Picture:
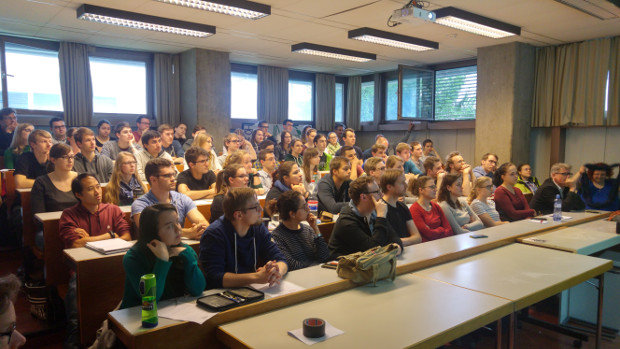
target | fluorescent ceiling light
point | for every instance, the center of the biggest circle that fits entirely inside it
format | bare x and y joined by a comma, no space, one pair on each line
333,52
391,39
239,8
473,23
141,21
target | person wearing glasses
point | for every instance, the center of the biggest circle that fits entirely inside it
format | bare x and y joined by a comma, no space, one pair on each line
527,182
394,186
560,183
143,123
8,124
428,215
161,175
59,130
233,246
301,244
509,200
10,337
52,192
362,223
87,160
197,182
124,185
597,188
480,203
232,143
264,126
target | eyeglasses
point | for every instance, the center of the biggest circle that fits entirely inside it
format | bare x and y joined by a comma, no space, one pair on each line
263,126
12,118
59,127
202,161
130,162
565,173
373,192
235,141
380,168
258,208
243,176
168,175
68,157
434,187
9,333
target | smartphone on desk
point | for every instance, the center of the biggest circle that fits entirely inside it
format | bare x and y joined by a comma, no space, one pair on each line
330,265
478,236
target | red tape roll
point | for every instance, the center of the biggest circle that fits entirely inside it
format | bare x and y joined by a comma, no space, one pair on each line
314,328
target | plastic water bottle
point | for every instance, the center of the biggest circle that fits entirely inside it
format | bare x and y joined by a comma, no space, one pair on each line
557,209
313,199
148,291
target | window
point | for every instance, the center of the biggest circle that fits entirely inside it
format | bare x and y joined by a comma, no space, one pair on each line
416,93
339,116
33,78
119,86
243,95
455,93
391,100
367,107
300,100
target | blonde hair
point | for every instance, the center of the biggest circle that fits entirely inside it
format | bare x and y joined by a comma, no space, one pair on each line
113,189
309,154
235,158
478,184
19,143
199,141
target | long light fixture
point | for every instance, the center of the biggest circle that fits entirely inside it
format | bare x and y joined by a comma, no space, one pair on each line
391,39
333,52
239,8
142,21
473,23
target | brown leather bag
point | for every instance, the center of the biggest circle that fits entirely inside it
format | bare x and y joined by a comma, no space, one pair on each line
375,264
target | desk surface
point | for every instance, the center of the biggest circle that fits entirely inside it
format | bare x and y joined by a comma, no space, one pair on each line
521,273
587,238
50,216
398,314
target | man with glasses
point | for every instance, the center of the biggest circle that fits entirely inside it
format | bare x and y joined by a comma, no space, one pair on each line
487,167
59,130
232,143
560,183
151,149
362,223
160,174
8,124
31,165
198,181
394,187
143,123
264,126
287,125
233,246
87,160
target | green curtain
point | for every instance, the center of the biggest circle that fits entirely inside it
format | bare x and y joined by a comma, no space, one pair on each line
76,87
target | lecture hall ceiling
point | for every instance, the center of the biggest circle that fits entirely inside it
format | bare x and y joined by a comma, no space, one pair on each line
326,22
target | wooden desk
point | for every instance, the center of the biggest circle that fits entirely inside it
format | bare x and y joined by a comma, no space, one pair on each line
100,284
29,229
204,206
8,182
395,315
523,274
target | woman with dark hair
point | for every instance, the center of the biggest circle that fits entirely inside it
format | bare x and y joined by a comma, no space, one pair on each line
301,244
284,147
427,215
257,138
287,177
232,176
309,139
124,185
509,200
52,192
159,251
179,132
597,189
103,134
461,217
297,148
526,182
9,335
320,143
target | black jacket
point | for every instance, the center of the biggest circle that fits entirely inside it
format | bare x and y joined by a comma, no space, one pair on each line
545,196
330,198
351,234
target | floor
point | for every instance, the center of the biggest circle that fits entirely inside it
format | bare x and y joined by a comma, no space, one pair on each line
43,335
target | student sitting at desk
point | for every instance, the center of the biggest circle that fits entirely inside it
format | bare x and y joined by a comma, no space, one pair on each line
87,160
301,244
31,165
481,205
160,173
268,167
560,183
455,207
89,220
510,202
197,182
233,176
124,186
428,215
231,247
151,149
19,145
334,186
159,251
243,158
288,178
362,224
394,186
124,141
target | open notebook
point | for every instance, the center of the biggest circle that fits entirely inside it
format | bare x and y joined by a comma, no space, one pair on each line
110,246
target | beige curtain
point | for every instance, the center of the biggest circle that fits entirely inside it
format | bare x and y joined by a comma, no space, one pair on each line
354,100
76,87
613,112
570,84
167,89
272,94
325,106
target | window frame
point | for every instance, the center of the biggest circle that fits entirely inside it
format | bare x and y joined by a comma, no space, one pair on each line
296,75
370,78
245,69
345,84
116,54
447,66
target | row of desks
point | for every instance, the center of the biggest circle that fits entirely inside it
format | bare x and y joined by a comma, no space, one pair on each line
459,252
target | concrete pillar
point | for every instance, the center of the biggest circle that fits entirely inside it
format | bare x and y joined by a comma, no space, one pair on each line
504,101
205,92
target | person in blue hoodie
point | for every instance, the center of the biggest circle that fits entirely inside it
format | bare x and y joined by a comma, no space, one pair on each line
233,246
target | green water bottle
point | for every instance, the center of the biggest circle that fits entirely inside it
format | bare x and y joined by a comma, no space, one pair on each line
148,291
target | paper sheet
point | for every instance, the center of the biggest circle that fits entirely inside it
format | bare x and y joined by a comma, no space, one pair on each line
184,309
330,331
285,287
564,218
539,221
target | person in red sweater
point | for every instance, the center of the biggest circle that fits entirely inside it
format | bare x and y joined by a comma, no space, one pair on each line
509,201
428,215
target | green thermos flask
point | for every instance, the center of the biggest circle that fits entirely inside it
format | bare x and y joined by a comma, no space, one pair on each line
148,291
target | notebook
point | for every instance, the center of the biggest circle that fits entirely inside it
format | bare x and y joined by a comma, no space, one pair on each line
110,246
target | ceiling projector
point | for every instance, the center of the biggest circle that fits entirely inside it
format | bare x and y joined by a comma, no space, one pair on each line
410,14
